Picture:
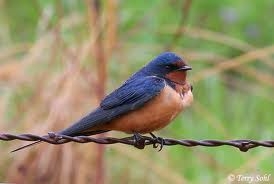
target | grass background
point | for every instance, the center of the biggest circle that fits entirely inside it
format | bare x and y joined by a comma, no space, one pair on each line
49,53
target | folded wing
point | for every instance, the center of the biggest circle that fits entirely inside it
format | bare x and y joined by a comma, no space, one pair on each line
130,96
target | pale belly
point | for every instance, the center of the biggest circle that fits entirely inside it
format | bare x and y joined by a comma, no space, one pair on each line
154,115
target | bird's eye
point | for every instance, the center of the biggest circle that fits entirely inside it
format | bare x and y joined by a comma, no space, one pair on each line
169,67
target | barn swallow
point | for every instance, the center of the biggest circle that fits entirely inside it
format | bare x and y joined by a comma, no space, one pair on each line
149,100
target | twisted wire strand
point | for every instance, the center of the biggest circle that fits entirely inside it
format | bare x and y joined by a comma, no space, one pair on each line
52,138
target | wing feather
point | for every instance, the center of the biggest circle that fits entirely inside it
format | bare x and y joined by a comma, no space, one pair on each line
130,96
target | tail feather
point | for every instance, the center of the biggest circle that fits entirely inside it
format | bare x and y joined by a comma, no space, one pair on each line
26,146
61,133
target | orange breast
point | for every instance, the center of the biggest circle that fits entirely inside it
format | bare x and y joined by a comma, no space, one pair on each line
154,115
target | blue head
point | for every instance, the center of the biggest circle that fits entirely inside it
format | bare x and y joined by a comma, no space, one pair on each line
165,64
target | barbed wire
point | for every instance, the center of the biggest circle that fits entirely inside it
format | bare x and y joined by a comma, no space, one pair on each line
139,142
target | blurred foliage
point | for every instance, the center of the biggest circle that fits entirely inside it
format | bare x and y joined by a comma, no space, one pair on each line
47,74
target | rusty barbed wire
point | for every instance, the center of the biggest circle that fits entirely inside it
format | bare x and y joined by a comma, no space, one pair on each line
52,138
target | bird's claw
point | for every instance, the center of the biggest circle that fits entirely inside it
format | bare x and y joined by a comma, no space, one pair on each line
158,141
139,141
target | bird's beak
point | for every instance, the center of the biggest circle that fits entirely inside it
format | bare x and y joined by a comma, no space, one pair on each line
184,68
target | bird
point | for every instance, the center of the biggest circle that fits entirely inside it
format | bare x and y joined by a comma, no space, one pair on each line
146,102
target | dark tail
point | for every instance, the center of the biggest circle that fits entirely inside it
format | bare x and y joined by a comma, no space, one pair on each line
79,134
26,146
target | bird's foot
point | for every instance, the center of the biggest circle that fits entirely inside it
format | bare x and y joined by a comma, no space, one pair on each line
158,141
139,141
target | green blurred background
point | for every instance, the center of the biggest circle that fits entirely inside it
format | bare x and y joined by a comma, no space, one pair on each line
52,53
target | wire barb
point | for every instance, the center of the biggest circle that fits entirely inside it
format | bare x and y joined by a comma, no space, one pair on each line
52,138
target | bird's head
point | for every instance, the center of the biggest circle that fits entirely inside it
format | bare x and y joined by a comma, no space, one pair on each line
169,65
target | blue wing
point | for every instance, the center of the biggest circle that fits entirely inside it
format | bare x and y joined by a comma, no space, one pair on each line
131,92
130,96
